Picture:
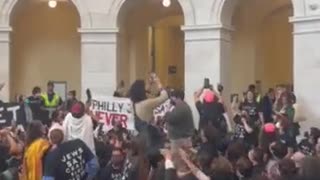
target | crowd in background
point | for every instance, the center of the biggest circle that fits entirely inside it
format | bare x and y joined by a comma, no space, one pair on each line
254,138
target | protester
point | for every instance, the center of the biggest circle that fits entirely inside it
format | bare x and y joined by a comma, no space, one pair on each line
244,130
10,159
36,148
34,102
243,168
179,120
210,110
119,168
78,125
267,106
71,99
255,116
255,155
69,160
143,115
262,146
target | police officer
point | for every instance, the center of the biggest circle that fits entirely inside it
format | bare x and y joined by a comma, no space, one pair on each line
50,101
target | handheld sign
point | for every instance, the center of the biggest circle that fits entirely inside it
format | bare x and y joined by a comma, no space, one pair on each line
110,110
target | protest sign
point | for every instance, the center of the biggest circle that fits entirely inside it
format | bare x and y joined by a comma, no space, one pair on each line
11,112
161,110
110,110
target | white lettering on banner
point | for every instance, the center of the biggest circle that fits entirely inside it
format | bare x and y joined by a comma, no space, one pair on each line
2,120
110,110
14,110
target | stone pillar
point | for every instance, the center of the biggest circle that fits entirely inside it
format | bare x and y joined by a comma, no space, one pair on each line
5,62
98,61
207,49
307,67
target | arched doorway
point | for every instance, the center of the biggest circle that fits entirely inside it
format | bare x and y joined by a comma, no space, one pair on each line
262,44
45,45
150,39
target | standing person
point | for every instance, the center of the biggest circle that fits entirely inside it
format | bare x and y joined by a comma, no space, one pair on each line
71,99
243,132
34,102
78,125
180,128
179,121
143,112
255,116
69,160
256,94
267,105
284,135
251,106
36,148
51,101
284,106
208,109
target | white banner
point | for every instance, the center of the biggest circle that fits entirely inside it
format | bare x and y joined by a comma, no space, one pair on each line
110,110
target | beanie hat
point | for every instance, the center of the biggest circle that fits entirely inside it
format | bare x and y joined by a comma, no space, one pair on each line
209,97
77,110
269,128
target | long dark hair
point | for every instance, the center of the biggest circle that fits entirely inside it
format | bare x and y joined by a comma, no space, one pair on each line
137,92
34,131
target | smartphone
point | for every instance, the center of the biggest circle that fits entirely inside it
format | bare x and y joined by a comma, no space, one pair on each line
206,84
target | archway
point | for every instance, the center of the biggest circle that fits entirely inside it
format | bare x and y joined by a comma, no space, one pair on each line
45,45
262,43
150,39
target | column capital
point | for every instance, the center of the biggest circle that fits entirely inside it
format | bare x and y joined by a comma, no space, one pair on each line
207,32
5,34
98,35
306,24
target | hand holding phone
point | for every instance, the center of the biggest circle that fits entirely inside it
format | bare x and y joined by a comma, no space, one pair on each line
206,84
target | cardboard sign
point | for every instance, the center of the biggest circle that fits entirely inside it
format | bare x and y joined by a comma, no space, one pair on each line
110,110
11,112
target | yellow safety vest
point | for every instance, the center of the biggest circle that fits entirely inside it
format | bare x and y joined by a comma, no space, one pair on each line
50,104
258,98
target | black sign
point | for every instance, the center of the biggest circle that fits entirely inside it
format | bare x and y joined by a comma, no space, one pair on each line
172,69
11,112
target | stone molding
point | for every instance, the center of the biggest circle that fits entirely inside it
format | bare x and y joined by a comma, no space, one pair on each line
207,33
7,6
306,25
187,8
5,34
98,35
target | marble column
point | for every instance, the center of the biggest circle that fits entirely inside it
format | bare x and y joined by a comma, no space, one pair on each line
207,49
5,62
98,58
307,67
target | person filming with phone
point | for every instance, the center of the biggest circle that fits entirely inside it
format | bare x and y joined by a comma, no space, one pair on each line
211,110
143,108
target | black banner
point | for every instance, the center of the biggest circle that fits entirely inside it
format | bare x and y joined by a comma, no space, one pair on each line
11,112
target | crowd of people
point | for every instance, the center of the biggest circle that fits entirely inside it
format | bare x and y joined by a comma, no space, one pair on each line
254,138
